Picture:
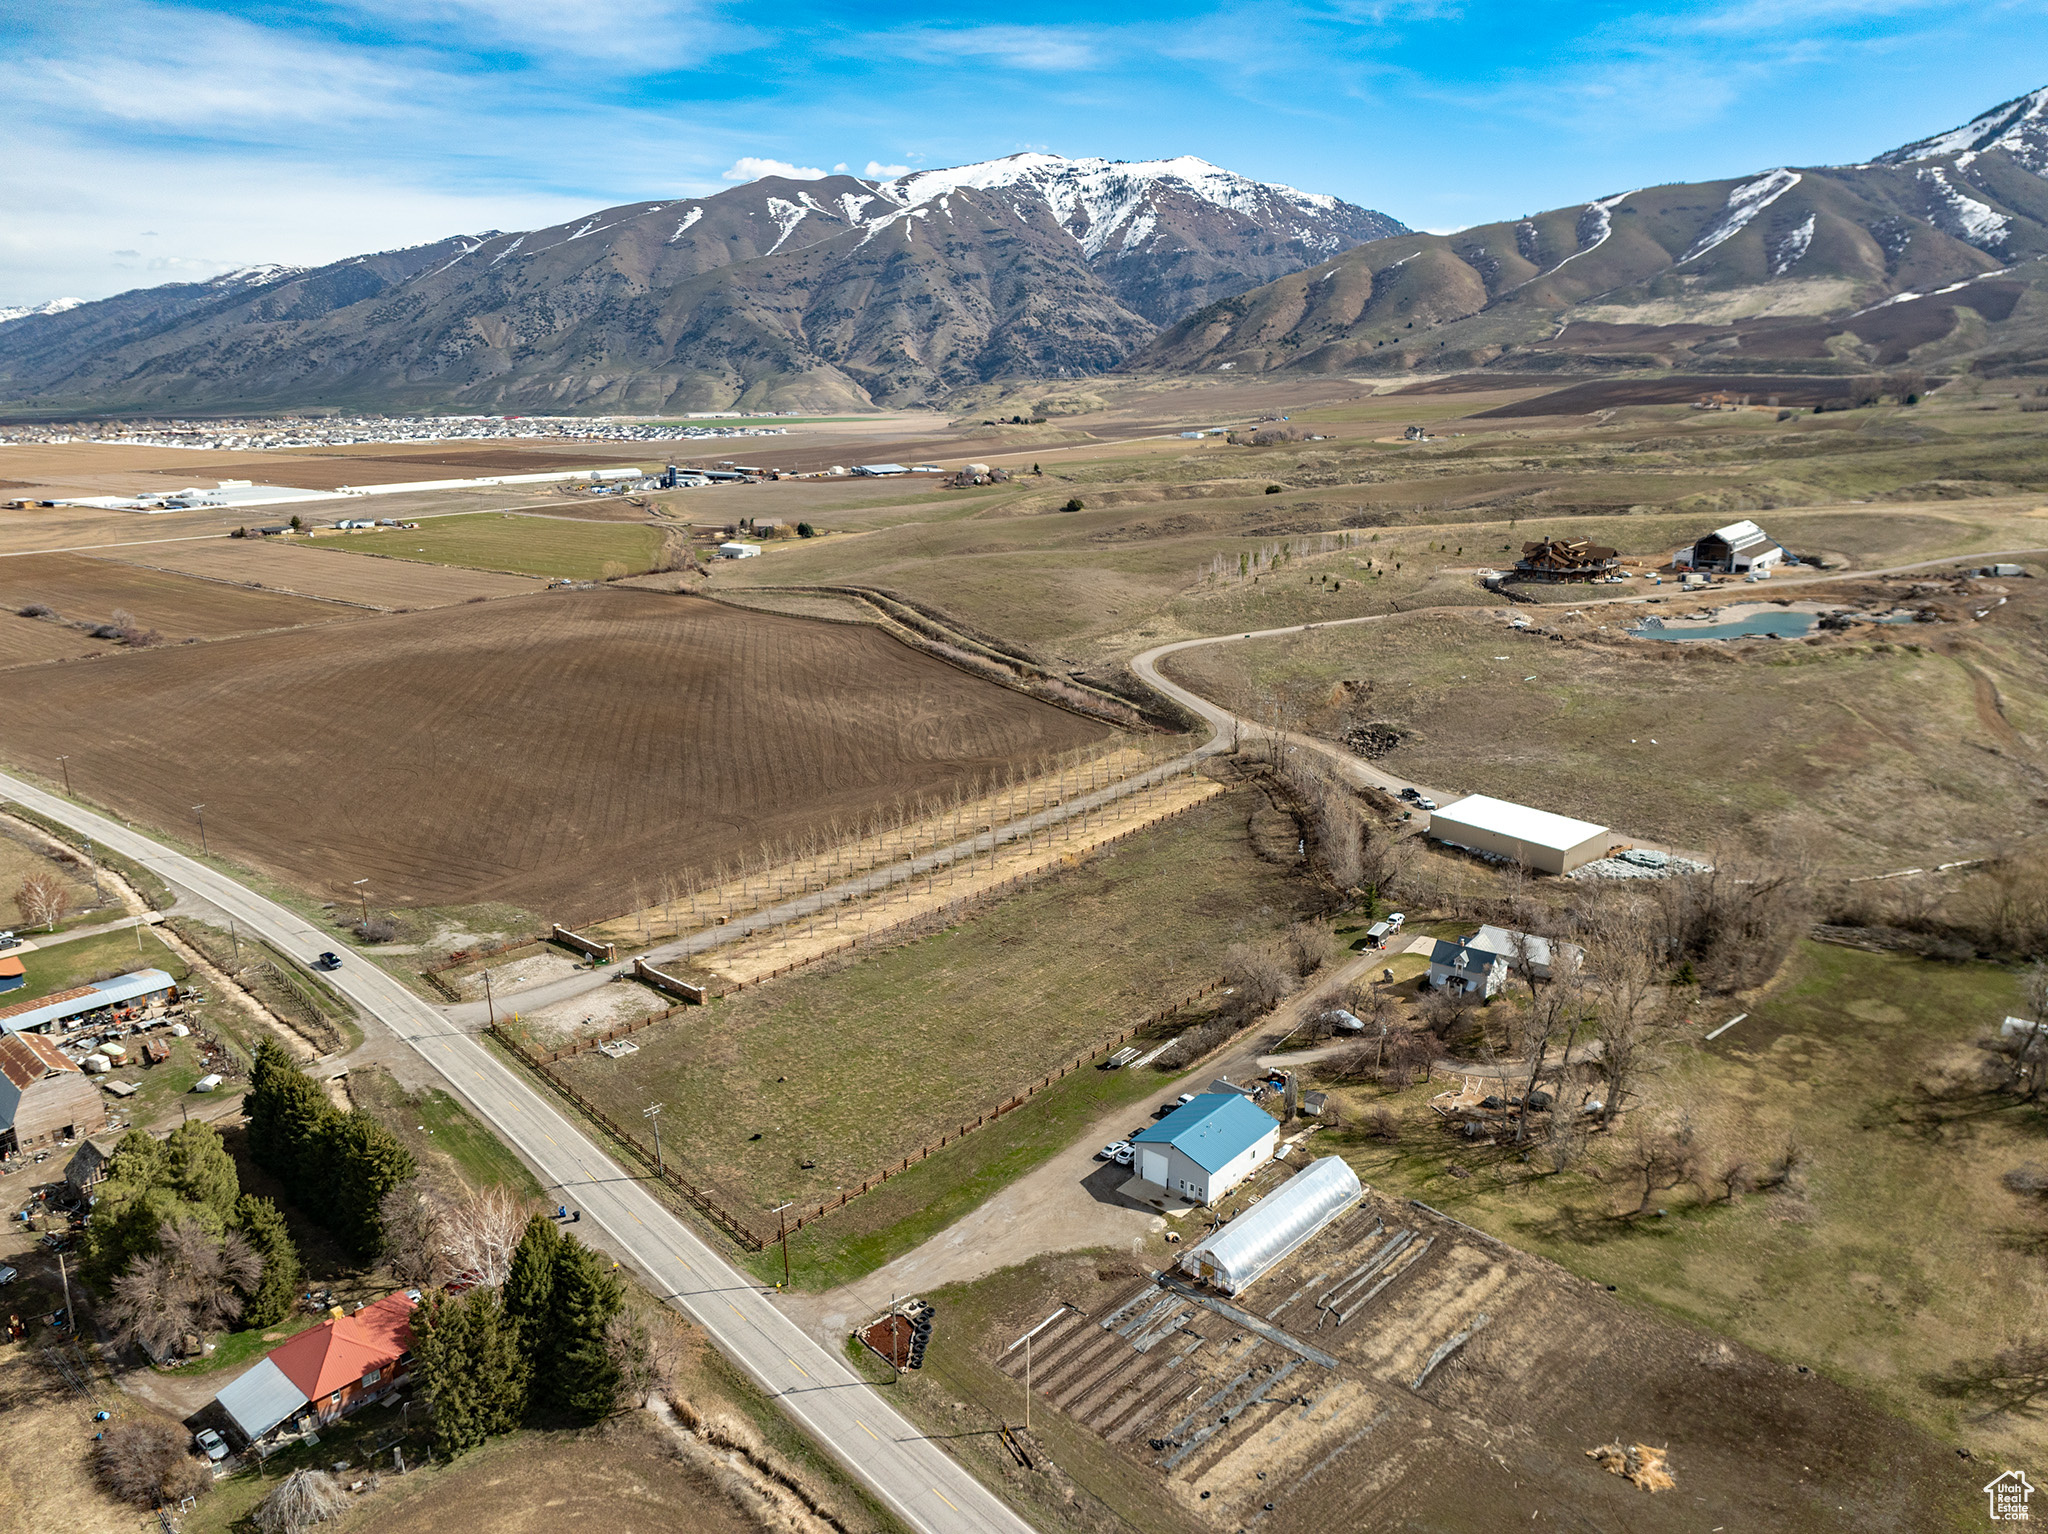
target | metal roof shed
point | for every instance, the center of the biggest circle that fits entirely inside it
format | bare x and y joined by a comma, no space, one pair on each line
263,1397
31,1016
1238,1255
1554,844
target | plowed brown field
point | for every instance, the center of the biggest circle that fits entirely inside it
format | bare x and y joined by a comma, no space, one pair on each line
552,751
176,605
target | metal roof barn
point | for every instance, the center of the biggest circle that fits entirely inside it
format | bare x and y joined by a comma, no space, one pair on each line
29,1016
1536,838
1241,1253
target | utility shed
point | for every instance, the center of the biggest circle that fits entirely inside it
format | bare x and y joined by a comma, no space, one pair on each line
146,987
1206,1147
1239,1254
1552,844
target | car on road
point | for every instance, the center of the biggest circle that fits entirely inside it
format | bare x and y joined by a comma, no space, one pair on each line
1184,1099
1411,794
1425,803
328,961
1396,920
1163,1109
211,1444
8,1275
9,940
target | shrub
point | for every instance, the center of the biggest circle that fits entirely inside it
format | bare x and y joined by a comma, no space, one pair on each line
1274,489
376,930
147,1460
805,530
38,610
1076,504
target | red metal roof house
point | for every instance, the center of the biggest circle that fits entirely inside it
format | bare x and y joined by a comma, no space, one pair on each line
326,1371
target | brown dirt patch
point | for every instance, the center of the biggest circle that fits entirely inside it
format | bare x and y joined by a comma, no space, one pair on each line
175,605
315,572
24,641
549,751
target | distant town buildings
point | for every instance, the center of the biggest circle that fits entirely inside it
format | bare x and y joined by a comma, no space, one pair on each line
272,435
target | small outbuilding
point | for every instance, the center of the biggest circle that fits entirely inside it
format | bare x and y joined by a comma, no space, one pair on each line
13,974
1206,1147
1737,549
1238,1255
1554,844
736,550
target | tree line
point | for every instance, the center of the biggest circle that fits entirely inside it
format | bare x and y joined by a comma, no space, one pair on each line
337,1167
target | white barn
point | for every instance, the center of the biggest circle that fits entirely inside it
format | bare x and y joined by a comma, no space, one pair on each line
1554,844
1206,1147
1737,549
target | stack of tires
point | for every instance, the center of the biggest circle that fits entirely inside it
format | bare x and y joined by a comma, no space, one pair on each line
920,1317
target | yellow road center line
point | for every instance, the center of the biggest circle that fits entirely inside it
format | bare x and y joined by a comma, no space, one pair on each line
798,1367
943,1498
866,1429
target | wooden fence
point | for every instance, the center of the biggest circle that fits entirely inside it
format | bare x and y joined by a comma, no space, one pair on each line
701,1199
1008,1105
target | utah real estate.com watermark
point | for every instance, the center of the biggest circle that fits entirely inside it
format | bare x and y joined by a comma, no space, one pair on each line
2008,1495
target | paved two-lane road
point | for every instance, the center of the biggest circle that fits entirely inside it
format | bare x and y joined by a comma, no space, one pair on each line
916,1479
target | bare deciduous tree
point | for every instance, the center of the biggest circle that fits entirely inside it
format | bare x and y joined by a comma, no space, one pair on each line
1259,977
42,899
415,1243
1659,1162
147,1460
480,1232
1621,968
305,1497
192,1284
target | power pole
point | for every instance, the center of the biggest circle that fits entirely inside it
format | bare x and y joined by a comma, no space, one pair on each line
65,763
652,1114
93,863
783,1220
490,1006
365,894
64,1273
1027,1384
235,937
200,811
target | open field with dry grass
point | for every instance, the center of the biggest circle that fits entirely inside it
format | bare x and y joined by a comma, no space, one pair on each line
391,584
177,606
548,750
852,1065
1878,749
27,641
1894,1262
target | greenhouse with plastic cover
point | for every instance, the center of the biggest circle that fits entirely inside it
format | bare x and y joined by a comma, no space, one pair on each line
1235,1257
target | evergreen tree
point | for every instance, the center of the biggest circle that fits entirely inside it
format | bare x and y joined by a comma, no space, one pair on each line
135,1201
582,1374
364,1161
467,1357
530,1286
290,1124
275,1296
197,1164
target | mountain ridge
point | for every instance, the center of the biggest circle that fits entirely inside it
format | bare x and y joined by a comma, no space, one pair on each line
781,293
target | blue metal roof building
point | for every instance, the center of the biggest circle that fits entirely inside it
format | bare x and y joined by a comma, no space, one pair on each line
1206,1147
45,1012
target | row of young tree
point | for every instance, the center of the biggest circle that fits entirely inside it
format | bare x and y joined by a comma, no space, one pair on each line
545,1345
177,1249
336,1167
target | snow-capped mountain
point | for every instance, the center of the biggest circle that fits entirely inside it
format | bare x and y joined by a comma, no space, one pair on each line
54,306
779,293
2019,127
1830,267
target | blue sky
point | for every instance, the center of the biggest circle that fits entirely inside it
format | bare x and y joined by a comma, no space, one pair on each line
156,142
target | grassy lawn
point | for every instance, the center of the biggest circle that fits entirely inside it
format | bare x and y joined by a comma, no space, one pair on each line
234,1349
852,1068
1898,1254
437,1128
67,965
914,1206
519,545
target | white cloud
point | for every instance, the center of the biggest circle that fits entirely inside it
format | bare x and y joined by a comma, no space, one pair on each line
752,168
877,171
1041,48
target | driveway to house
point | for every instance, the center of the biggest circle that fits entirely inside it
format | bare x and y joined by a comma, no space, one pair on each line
909,1473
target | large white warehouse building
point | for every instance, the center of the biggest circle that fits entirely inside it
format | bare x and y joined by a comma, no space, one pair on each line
1552,844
